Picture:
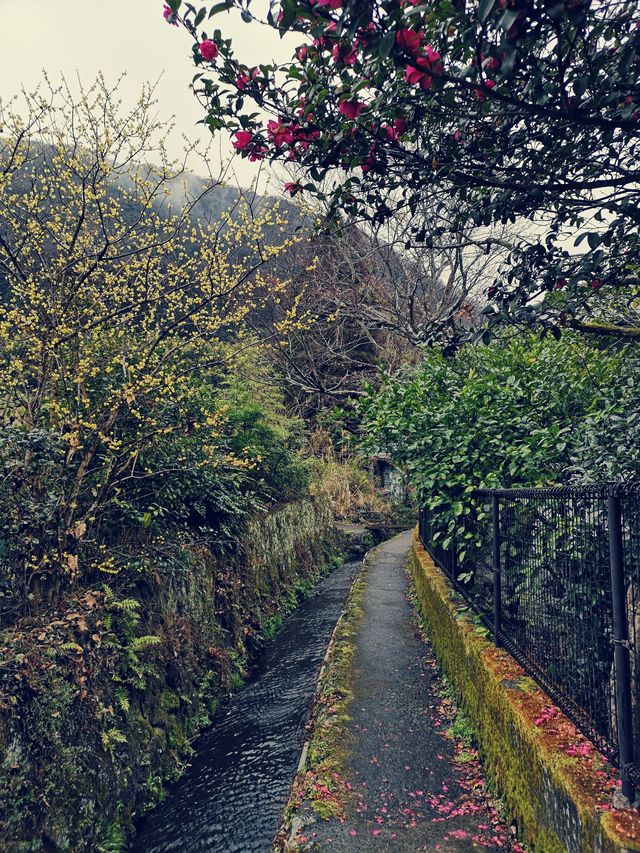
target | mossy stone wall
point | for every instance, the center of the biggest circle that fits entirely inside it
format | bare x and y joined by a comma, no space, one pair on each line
560,803
101,700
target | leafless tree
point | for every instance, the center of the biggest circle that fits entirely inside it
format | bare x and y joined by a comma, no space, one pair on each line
373,298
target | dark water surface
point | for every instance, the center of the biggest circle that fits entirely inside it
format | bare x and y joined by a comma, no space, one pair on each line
230,799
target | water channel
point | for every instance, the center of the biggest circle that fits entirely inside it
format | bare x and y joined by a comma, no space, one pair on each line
230,798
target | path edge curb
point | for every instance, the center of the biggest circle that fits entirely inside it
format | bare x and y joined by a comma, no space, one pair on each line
289,827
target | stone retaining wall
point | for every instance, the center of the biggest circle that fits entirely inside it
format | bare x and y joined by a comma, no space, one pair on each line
557,789
101,700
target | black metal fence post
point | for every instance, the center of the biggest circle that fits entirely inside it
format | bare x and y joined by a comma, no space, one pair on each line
622,662
497,584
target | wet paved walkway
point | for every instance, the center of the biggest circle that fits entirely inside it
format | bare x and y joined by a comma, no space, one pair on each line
414,789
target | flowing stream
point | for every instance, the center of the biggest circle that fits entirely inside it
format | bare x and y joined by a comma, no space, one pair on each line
230,798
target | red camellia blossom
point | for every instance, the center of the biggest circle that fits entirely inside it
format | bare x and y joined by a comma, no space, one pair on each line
431,56
279,133
257,152
208,50
400,125
346,57
170,16
370,160
328,4
424,65
242,140
409,40
394,131
416,77
293,188
596,284
488,84
242,81
350,109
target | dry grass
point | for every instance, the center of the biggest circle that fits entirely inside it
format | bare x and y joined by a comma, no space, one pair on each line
349,489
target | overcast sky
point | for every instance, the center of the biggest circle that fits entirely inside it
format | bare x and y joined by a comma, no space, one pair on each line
82,37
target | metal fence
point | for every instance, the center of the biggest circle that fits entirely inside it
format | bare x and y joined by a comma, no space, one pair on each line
555,575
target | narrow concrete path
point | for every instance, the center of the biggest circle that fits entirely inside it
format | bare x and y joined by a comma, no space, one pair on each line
414,788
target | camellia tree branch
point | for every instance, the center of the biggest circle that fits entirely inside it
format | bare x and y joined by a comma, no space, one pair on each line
505,108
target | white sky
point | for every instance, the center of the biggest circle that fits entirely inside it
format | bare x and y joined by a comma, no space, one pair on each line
82,37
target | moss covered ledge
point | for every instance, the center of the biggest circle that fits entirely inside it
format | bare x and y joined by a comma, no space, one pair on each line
101,699
557,788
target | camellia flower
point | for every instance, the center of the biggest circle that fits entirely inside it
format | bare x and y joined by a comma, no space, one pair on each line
280,133
242,81
208,50
350,109
430,55
328,4
293,188
346,57
242,139
416,77
409,40
257,152
400,125
480,94
394,131
170,16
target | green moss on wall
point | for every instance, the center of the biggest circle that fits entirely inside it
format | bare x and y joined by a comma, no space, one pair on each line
560,803
100,701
